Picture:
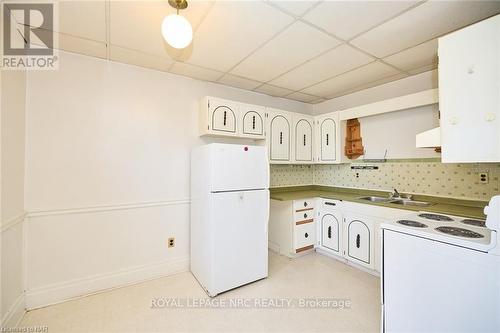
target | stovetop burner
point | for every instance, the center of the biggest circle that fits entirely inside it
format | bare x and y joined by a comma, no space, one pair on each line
454,231
476,223
410,223
435,217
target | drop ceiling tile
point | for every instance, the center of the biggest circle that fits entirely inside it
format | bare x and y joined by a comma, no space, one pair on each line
350,80
415,57
273,90
133,57
346,19
300,42
195,72
296,8
370,84
82,46
239,82
423,69
301,97
74,44
319,100
427,21
232,30
334,62
137,24
85,19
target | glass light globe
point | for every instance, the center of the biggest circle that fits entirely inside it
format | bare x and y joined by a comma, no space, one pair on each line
177,31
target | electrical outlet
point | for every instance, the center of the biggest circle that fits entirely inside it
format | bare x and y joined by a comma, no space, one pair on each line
171,242
483,177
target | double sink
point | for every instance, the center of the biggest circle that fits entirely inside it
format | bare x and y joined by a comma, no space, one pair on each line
397,201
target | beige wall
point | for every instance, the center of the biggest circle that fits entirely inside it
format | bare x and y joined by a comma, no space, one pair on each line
13,97
108,173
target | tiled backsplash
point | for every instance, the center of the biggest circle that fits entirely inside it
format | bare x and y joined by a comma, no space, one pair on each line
291,175
419,177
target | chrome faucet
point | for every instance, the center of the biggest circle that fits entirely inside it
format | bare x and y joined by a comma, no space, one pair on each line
395,194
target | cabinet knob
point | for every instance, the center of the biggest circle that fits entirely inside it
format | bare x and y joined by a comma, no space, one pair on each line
490,116
470,70
454,120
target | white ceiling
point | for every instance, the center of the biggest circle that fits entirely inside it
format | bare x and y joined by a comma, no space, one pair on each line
303,50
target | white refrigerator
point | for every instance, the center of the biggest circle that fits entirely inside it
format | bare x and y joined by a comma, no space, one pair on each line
229,215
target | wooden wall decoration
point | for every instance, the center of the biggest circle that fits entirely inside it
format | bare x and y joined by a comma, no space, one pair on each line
353,142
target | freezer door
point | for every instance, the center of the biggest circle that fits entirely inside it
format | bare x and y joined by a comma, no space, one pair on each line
239,167
239,232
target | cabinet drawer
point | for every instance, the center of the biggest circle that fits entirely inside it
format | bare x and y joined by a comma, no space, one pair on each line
303,215
303,205
304,236
328,204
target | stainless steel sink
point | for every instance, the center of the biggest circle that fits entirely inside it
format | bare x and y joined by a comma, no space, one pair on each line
411,203
376,199
405,202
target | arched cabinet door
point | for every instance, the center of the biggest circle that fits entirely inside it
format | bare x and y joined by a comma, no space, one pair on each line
279,137
359,242
223,118
330,232
328,140
303,133
252,118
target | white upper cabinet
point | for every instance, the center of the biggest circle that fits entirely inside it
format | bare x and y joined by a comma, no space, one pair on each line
252,121
469,93
279,136
219,117
328,138
303,138
290,137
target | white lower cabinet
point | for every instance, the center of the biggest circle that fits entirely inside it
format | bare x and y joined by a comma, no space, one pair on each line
304,236
344,230
330,232
359,240
292,228
329,227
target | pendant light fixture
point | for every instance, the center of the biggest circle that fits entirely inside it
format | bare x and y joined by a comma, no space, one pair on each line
176,30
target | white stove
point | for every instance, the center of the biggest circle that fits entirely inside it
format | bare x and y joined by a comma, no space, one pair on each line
441,273
461,231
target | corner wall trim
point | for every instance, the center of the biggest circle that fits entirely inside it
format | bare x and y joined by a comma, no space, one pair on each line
84,210
12,222
63,291
15,313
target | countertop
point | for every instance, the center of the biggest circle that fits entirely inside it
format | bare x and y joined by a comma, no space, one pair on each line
450,206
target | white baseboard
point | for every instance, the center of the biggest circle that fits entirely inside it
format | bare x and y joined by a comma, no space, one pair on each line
67,290
16,312
273,247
